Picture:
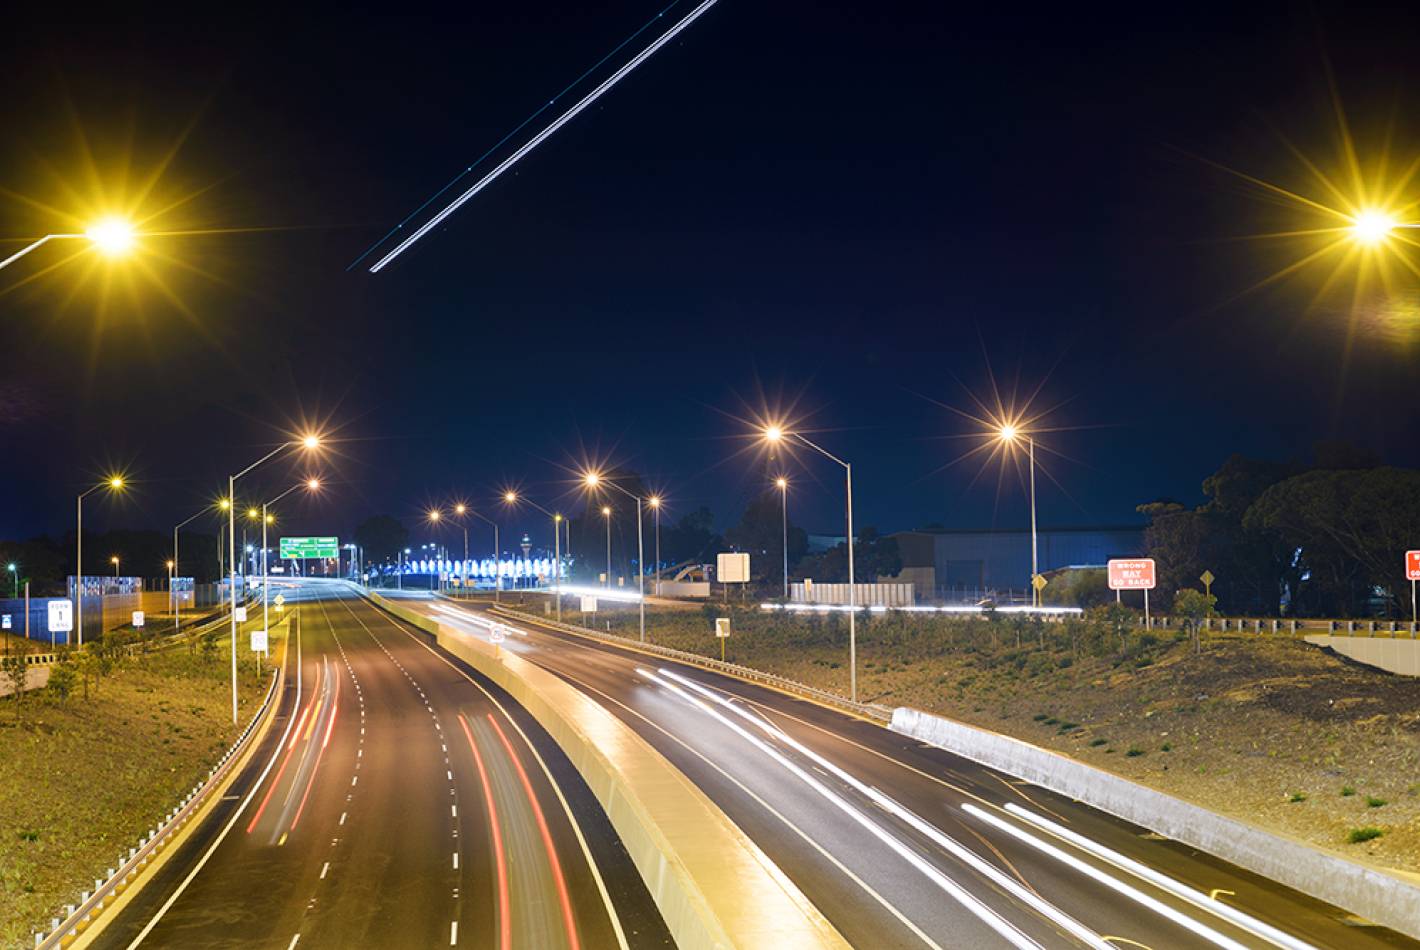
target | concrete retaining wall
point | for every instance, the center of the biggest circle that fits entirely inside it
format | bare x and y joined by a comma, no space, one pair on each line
1375,894
713,885
1390,654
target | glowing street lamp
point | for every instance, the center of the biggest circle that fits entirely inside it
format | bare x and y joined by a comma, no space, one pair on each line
111,236
782,484
1008,433
1373,227
113,483
223,504
309,442
462,509
512,498
655,502
433,516
594,481
776,434
14,570
114,561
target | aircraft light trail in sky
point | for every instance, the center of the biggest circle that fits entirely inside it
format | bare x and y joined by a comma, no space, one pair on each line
546,133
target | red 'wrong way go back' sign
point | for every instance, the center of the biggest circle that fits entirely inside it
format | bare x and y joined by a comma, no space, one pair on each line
1131,573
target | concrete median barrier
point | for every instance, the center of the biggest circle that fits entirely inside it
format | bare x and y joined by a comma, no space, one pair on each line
712,884
1378,895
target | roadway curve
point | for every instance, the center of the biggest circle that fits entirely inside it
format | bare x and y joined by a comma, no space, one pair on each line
399,801
904,845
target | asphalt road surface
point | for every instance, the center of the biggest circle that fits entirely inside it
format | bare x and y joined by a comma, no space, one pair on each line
399,801
904,845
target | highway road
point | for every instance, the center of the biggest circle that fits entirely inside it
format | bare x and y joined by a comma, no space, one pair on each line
398,801
904,845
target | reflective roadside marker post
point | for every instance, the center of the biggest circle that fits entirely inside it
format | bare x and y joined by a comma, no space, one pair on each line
722,632
1412,574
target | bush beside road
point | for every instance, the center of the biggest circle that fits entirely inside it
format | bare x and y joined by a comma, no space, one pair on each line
81,779
1268,730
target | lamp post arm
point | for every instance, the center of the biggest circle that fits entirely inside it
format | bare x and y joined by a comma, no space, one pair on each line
25,250
819,449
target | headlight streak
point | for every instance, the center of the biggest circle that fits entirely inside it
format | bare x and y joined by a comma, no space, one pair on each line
926,609
981,911
1178,889
537,140
946,843
458,616
1133,893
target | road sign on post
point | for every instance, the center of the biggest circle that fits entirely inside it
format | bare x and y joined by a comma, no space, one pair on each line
732,568
4,621
1412,574
589,604
1207,578
258,641
137,618
241,613
61,616
1039,582
1133,574
310,548
722,631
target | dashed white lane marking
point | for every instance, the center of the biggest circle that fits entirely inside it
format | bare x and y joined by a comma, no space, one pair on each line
324,869
453,811
342,818
354,779
453,933
450,774
293,941
456,860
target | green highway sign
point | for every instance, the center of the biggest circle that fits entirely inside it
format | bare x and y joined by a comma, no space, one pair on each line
310,547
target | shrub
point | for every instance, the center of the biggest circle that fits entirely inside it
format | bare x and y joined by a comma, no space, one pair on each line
1373,802
1359,835
1298,797
1098,742
1134,751
1347,791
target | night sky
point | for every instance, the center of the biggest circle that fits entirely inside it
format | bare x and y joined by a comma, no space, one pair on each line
848,210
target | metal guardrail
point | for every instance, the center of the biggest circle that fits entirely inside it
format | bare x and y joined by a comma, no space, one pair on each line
783,683
92,902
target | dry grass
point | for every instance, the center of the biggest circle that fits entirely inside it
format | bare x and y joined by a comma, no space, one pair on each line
81,781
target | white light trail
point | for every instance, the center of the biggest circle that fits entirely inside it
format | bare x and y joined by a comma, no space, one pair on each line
800,606
1195,897
941,839
538,139
1133,893
1003,927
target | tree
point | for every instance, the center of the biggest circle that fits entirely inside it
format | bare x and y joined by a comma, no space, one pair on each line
15,670
62,678
692,538
874,556
381,537
761,533
1192,607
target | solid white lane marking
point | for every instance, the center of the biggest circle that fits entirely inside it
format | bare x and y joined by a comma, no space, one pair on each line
324,869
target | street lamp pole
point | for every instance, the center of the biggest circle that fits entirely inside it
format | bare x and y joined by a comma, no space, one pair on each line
177,600
308,442
593,480
312,484
113,483
497,556
1034,549
783,485
655,502
512,497
778,434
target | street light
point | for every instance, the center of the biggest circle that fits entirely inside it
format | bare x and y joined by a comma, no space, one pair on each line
434,516
112,483
14,570
512,498
311,485
111,236
1009,433
223,504
114,561
782,484
655,502
594,481
775,434
462,509
309,442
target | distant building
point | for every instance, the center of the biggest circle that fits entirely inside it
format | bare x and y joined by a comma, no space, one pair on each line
967,562
819,543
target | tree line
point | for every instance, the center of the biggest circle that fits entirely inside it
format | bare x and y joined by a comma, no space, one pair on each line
47,561
1325,538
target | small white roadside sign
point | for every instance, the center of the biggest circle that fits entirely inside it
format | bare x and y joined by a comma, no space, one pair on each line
258,641
589,604
241,615
61,616
137,618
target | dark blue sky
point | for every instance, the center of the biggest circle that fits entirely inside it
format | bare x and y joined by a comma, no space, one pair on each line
847,207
